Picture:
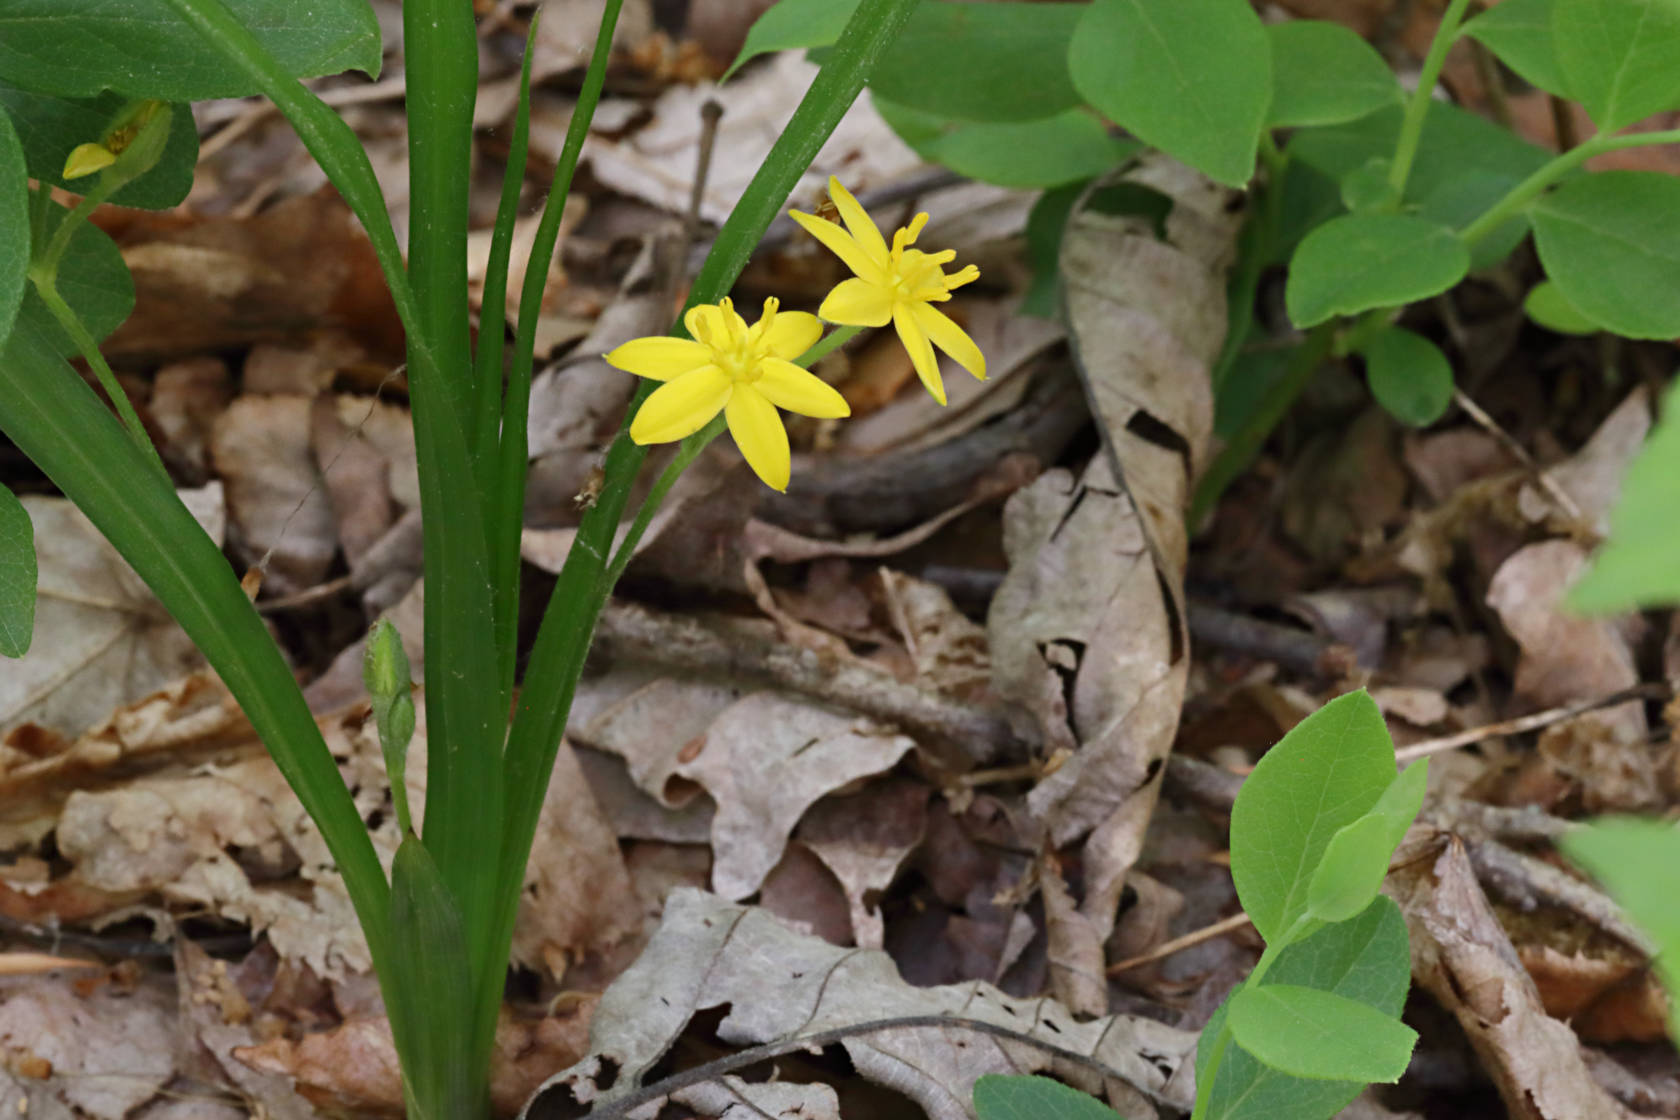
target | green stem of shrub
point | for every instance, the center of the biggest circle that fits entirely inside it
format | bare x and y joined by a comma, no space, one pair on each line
1417,109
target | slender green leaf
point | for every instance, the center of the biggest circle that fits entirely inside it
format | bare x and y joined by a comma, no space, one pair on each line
433,989
1191,77
14,225
93,280
1636,567
1363,261
1520,33
1408,375
141,48
1065,148
1547,306
50,127
1320,1035
1611,244
1356,861
1635,859
1323,73
17,576
997,1097
1045,225
1617,57
1328,771
1365,959
792,25
1001,60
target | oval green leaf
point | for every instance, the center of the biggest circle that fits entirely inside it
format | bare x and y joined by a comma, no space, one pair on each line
50,126
1361,261
1323,73
1636,567
1191,77
1520,33
1365,959
1617,57
998,1097
1320,1035
1000,61
1355,863
1027,155
14,225
144,48
793,25
1327,772
1408,375
17,576
1611,244
1546,306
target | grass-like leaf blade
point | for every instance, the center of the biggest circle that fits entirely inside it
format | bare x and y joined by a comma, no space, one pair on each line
17,576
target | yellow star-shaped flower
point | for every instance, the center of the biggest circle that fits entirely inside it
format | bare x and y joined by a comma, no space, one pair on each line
897,285
745,372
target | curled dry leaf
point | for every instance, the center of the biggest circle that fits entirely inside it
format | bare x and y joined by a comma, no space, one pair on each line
779,986
1462,956
101,638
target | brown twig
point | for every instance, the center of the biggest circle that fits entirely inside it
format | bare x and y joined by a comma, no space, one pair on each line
1534,722
1542,476
1168,948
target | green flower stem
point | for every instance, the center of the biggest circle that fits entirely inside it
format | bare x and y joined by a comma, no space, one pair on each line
1222,1042
1530,188
1236,455
1411,127
686,454
73,326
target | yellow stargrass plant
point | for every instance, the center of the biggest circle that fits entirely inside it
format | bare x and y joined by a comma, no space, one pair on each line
897,285
745,372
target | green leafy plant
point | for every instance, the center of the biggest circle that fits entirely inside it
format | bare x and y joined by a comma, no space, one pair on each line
94,100
1312,832
1370,199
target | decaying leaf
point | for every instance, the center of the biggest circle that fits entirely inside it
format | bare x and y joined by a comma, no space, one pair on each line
99,1055
779,986
102,639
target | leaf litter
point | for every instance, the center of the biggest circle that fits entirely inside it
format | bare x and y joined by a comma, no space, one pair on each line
946,733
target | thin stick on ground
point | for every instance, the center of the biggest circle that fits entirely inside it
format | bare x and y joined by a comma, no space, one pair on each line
1534,722
1168,948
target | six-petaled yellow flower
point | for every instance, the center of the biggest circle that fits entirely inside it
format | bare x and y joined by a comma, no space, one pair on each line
745,372
897,285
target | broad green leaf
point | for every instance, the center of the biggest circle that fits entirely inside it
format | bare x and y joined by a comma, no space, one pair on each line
1611,244
1355,863
1308,1033
988,62
17,576
1309,199
50,127
142,48
1191,77
1636,567
1618,57
431,984
14,225
93,280
1000,61
1365,959
997,1097
1323,73
1547,306
1461,200
1635,859
1360,261
1327,772
1065,148
1408,375
793,25
1520,33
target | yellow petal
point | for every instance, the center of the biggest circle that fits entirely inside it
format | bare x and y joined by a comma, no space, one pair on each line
949,337
705,323
787,386
659,358
792,333
857,220
840,243
921,351
682,406
858,303
759,434
85,159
